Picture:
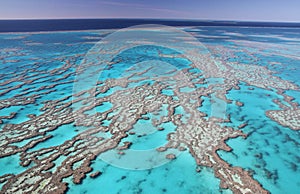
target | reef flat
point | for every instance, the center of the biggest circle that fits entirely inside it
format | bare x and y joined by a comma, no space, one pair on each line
65,142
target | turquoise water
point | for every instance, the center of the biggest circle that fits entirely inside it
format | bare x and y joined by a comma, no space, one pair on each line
177,176
60,135
271,151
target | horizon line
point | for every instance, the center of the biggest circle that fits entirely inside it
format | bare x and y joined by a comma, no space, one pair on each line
132,18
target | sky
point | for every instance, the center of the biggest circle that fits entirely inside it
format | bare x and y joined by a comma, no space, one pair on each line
240,10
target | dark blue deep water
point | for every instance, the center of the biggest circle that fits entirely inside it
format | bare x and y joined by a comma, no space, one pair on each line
91,24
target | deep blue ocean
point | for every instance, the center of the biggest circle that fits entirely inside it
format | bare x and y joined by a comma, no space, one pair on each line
92,24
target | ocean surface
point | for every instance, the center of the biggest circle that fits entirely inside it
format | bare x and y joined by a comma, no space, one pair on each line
92,24
43,147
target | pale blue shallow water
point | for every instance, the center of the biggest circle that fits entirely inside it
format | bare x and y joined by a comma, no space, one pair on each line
176,176
271,151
